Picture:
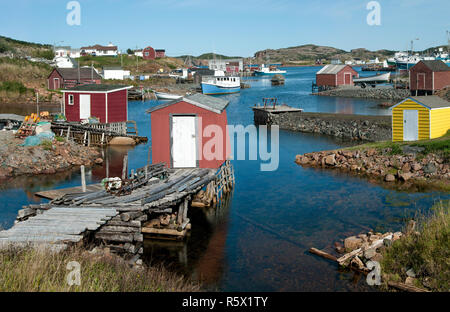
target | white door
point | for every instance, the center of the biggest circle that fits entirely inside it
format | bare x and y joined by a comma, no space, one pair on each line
410,125
85,106
184,142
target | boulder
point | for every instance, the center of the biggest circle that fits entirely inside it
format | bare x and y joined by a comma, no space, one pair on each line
122,141
429,168
352,242
330,160
389,178
411,273
406,167
370,253
405,176
410,281
416,166
99,161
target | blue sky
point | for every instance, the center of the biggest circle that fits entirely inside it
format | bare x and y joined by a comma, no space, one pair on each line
232,27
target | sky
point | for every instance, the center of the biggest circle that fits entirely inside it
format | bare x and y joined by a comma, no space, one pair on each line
231,27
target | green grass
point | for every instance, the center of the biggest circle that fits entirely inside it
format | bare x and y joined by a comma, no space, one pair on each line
31,270
14,86
427,253
47,145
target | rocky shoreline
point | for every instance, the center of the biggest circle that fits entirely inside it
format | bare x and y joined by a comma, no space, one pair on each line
368,93
344,126
430,170
16,160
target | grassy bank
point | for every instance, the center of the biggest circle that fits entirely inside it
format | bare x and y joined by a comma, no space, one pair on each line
439,146
426,252
33,270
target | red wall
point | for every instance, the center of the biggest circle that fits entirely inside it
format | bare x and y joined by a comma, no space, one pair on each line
326,80
64,84
117,106
97,106
51,85
441,80
151,53
160,54
160,126
420,68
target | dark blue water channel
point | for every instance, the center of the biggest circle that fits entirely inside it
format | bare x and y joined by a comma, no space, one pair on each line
258,239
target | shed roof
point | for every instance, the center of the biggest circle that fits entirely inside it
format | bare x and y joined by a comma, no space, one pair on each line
436,65
207,102
430,102
332,69
72,73
101,88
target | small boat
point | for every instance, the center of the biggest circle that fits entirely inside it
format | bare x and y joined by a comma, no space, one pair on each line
372,80
167,96
220,84
271,70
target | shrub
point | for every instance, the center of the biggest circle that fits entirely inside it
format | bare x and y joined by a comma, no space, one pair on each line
47,145
13,86
427,252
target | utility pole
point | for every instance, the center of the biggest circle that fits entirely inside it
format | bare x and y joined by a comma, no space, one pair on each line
92,71
37,103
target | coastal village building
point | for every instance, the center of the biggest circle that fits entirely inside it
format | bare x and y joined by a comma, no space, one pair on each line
116,73
420,118
63,78
160,53
149,53
228,65
64,62
178,132
426,77
335,75
99,50
109,103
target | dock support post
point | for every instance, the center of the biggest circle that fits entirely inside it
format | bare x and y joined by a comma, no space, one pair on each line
83,179
185,209
68,134
124,168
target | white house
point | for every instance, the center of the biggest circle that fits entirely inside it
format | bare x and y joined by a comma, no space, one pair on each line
62,51
139,53
116,73
64,62
99,50
228,65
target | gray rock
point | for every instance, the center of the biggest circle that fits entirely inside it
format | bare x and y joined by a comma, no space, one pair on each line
411,273
429,168
387,242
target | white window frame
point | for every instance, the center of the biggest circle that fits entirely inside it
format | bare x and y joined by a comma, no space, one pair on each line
71,99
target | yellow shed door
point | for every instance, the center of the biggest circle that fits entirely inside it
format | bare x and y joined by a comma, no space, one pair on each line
410,125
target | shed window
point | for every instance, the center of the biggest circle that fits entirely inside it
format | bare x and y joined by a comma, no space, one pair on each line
70,99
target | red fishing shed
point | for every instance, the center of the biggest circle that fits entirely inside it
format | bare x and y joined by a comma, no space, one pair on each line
335,75
182,130
149,53
427,77
109,103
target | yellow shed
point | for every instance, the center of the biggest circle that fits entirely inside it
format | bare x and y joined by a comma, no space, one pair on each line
420,118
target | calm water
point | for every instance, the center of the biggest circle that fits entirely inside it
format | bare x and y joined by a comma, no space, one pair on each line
258,239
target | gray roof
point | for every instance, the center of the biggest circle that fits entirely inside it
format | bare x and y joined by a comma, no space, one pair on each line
331,69
436,66
97,88
11,117
431,101
210,103
72,73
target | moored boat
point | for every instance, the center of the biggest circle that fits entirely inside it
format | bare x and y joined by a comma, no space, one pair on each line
167,96
271,70
220,84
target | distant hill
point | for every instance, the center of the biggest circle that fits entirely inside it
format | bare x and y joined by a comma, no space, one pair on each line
311,52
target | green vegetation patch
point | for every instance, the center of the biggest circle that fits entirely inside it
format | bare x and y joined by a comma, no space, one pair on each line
31,270
14,86
427,252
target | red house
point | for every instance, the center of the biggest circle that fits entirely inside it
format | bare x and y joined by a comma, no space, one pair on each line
426,77
190,132
64,78
149,53
109,103
160,53
335,75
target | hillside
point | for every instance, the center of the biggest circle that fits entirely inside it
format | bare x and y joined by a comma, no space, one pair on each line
22,48
310,53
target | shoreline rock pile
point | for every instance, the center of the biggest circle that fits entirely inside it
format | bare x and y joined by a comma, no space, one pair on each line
380,164
368,93
16,160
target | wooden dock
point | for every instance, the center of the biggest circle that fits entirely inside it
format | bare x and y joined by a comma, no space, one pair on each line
153,200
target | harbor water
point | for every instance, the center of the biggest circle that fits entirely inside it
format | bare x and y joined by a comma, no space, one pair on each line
258,239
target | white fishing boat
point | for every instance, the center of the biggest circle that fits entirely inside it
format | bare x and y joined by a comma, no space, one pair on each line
372,80
220,84
271,70
167,96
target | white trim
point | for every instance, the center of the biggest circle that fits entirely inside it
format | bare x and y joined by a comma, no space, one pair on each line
127,105
85,91
408,98
432,81
106,107
73,99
